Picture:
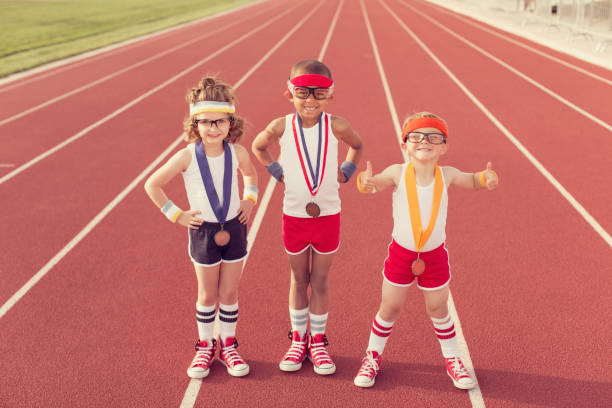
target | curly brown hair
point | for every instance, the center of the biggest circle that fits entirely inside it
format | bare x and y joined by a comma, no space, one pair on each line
211,88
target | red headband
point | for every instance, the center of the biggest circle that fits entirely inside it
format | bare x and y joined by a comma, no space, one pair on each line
315,80
425,122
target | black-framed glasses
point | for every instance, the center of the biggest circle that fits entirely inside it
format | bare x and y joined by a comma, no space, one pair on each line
433,137
222,123
303,92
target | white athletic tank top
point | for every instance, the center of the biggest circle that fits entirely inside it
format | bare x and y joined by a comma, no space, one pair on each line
297,194
194,185
402,227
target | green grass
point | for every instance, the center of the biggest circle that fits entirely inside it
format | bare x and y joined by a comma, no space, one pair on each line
34,32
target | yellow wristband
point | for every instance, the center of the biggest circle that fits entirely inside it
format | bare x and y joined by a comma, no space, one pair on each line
176,215
483,180
250,197
360,186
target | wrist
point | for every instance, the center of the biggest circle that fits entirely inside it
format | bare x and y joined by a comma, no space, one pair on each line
360,186
171,211
275,170
348,168
250,193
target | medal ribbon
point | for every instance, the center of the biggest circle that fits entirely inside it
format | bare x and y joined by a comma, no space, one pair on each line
211,192
315,177
420,237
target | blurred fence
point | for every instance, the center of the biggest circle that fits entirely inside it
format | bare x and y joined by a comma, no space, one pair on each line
586,18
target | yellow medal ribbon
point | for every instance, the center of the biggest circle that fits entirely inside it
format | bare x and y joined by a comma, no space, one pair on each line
420,237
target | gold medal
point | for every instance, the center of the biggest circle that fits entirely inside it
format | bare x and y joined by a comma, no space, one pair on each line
222,237
313,209
420,236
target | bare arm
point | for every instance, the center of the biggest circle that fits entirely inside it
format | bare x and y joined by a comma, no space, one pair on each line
270,135
156,181
389,177
249,178
344,132
474,181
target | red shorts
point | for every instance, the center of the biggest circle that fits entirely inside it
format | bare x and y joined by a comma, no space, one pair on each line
323,233
398,267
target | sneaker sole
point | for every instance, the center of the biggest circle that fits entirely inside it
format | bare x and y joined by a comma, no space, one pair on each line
364,384
322,371
198,374
236,373
289,368
461,386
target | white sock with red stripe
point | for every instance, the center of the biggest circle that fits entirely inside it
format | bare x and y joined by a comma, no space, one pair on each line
381,329
318,323
206,321
299,320
445,331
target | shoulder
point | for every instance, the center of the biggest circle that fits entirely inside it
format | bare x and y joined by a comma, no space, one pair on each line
277,126
240,150
449,174
340,125
182,158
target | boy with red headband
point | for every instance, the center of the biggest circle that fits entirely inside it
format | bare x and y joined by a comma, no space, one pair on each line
308,167
417,250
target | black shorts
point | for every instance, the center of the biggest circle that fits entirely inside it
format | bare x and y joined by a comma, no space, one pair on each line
203,250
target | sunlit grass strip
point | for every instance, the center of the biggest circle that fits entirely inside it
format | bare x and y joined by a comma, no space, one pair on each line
39,31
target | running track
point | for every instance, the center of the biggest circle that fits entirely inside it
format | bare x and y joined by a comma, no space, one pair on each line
97,292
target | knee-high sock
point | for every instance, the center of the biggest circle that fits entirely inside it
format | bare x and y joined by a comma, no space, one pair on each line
205,316
228,318
446,336
381,330
299,320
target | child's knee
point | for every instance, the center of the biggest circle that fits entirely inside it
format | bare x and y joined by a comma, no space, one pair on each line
390,309
437,311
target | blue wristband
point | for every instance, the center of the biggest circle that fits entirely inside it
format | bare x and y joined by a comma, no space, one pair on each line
275,170
348,168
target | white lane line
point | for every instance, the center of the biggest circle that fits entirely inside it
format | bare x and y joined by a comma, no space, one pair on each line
515,71
193,388
564,193
124,70
527,47
127,106
475,394
100,53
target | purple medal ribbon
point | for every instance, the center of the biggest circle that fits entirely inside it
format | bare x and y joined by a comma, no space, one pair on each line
211,192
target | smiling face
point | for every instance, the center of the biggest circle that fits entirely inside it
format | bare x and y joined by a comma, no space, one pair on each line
310,108
424,151
212,126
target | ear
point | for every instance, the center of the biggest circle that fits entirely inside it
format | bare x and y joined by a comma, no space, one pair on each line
288,95
445,148
331,97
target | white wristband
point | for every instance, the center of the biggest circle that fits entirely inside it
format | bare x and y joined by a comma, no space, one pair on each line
250,192
171,211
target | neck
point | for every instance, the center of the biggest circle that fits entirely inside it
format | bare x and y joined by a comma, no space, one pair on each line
213,149
309,122
424,171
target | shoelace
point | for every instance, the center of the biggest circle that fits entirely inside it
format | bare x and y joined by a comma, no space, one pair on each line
203,356
369,367
458,368
319,353
231,356
296,351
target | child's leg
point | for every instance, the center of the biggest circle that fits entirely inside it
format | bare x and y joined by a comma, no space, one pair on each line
208,283
319,296
436,302
229,281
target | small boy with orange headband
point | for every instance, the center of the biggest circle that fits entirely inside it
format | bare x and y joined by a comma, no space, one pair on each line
417,251
308,168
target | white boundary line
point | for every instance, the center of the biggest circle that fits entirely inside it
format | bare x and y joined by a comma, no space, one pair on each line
522,45
574,203
474,394
515,71
135,101
125,69
111,49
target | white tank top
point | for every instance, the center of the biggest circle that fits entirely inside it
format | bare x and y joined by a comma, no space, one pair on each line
402,227
297,194
194,185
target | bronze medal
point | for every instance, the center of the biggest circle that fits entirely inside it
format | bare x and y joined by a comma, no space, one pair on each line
313,209
418,266
222,238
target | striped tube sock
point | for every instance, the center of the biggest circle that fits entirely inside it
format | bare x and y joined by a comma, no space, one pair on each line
381,330
318,323
206,321
228,318
446,336
299,320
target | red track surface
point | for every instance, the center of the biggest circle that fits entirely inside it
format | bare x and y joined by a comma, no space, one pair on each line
112,323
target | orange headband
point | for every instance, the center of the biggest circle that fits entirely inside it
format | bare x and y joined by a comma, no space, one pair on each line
426,122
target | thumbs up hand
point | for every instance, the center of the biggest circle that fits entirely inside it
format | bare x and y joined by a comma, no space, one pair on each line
365,180
490,177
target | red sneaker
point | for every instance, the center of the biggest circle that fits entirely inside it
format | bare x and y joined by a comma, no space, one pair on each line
319,357
369,368
292,361
229,357
200,366
459,374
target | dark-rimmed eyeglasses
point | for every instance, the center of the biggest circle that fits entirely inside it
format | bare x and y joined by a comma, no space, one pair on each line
222,123
433,138
303,92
